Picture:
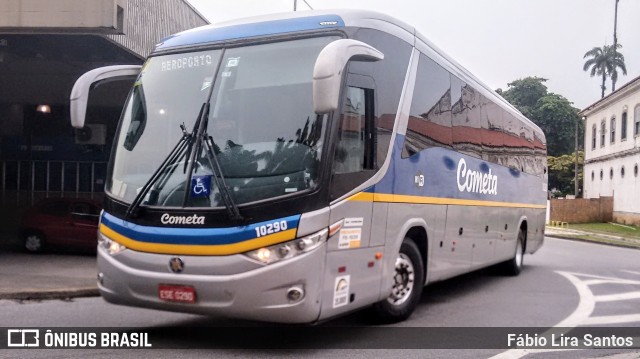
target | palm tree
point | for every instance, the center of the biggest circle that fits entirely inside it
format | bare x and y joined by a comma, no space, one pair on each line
616,62
597,64
604,61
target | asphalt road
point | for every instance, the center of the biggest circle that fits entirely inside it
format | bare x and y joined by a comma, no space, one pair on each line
565,284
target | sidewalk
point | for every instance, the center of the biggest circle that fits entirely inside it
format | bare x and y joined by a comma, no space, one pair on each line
594,237
46,276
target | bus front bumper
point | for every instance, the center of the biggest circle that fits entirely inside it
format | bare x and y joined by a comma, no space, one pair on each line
260,293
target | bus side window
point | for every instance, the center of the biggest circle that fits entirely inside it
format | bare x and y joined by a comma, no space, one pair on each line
355,157
430,114
353,151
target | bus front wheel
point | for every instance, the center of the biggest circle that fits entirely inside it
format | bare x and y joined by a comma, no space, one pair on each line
408,280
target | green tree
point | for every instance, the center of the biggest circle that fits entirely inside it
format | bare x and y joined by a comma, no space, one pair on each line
557,118
605,61
562,173
553,113
525,93
617,62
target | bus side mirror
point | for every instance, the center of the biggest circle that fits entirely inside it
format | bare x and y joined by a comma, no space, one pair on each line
329,67
80,92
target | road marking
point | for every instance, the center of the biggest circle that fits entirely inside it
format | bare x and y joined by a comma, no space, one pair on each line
582,314
606,280
519,353
612,319
585,306
617,297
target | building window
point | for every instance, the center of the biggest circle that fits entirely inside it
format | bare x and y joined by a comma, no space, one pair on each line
593,175
613,130
611,173
594,135
636,120
622,172
623,126
601,175
603,132
635,170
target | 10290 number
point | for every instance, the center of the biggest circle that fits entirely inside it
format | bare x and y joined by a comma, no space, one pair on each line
271,228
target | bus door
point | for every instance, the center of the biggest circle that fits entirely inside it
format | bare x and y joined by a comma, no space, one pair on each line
353,273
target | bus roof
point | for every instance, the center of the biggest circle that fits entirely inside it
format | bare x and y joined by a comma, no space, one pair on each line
275,24
289,22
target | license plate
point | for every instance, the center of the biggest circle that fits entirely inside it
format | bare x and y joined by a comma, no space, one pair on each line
177,293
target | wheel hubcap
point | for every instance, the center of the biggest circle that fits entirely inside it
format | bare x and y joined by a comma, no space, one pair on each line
33,243
403,280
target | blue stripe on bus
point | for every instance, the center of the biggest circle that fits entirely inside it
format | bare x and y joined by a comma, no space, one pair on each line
211,33
190,236
439,167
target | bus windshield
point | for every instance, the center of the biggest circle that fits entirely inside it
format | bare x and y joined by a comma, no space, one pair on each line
261,125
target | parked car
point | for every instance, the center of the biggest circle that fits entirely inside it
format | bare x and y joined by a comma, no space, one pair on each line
70,223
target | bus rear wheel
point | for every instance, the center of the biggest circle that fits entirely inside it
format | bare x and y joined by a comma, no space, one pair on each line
408,279
513,267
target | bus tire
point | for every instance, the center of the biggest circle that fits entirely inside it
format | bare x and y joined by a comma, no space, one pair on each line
513,267
407,285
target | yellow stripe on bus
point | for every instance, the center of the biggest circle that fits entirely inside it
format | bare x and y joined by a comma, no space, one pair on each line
198,249
397,198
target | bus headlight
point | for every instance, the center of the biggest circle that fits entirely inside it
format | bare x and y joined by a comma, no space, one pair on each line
290,249
110,245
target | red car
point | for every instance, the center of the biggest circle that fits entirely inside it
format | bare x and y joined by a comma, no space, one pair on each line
70,223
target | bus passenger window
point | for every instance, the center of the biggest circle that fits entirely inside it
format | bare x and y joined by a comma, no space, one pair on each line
430,114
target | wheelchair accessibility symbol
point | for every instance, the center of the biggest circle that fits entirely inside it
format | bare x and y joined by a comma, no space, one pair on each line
200,186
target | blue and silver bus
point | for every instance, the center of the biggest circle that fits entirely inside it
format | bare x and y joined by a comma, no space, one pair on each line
296,167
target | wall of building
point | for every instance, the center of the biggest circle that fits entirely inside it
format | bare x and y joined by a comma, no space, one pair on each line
161,18
41,58
582,210
612,169
620,180
627,218
64,15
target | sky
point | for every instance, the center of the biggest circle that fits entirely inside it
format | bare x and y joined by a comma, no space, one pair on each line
498,40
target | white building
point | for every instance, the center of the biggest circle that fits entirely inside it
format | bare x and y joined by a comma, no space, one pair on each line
612,151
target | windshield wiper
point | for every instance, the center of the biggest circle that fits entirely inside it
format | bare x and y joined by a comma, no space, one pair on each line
179,151
203,139
182,149
232,207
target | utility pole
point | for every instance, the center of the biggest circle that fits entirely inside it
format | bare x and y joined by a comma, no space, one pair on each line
615,44
575,191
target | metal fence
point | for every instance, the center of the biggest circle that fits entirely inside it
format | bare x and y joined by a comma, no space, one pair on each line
25,182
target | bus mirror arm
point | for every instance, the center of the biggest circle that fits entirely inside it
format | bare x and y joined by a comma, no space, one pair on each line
329,68
80,92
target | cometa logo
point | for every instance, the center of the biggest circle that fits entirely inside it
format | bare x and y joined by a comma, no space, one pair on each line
476,181
169,219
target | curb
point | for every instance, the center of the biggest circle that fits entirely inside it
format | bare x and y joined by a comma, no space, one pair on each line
52,294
